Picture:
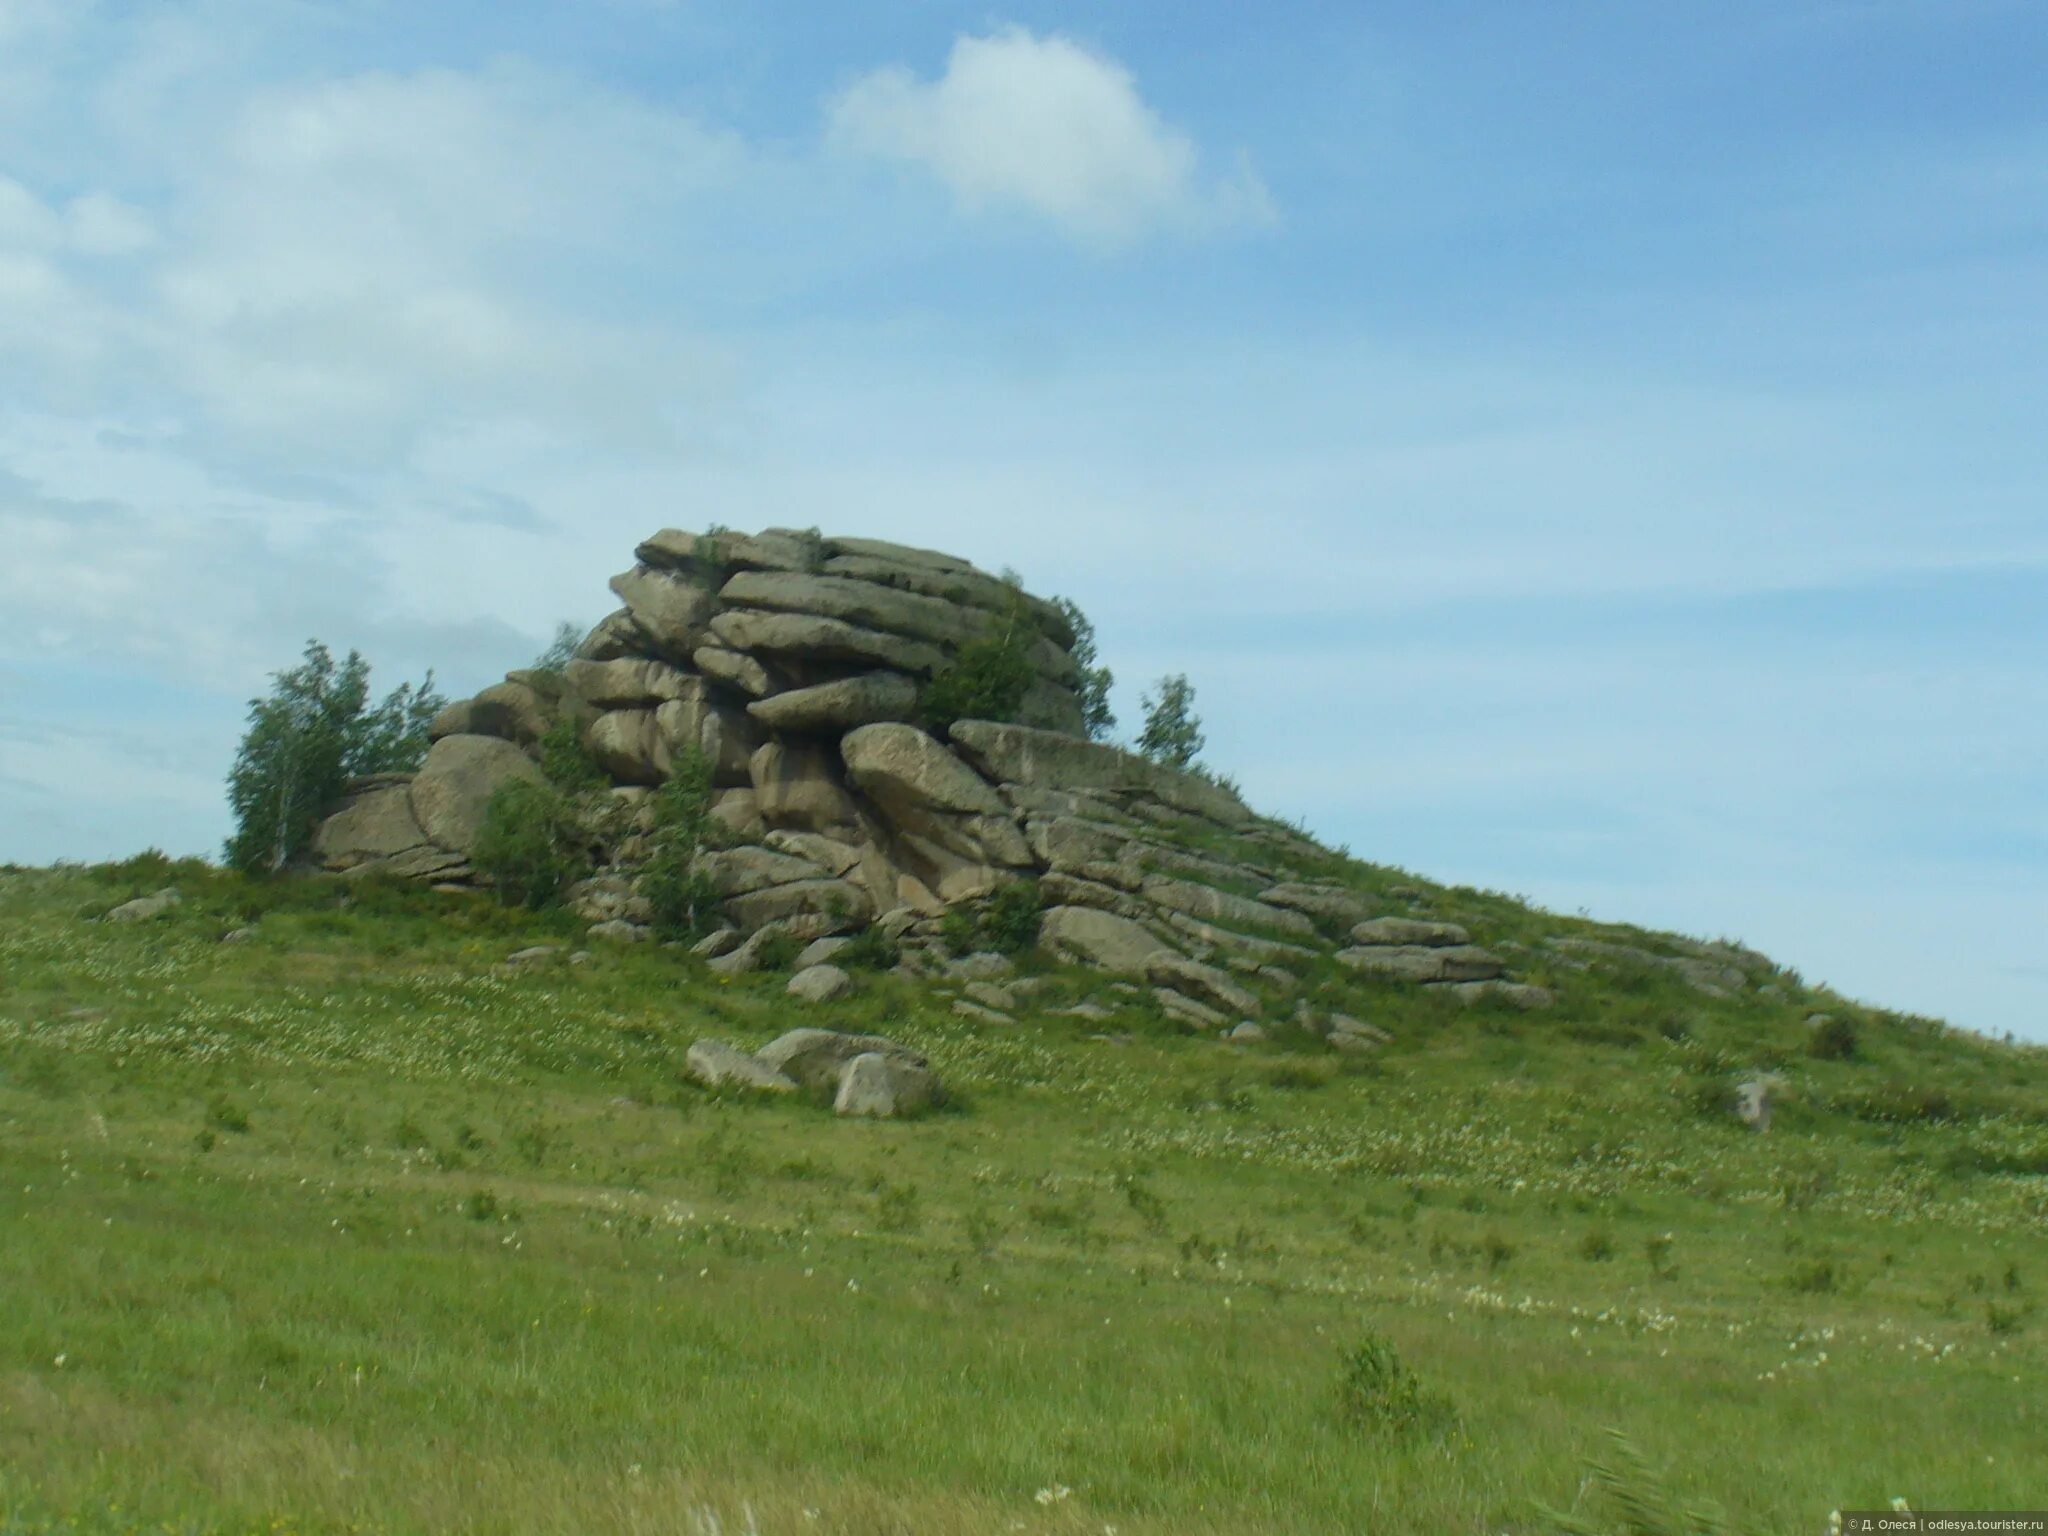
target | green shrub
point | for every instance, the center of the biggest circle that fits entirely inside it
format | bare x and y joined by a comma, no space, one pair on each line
1009,922
1379,1394
1833,1039
987,678
532,845
567,762
867,950
685,902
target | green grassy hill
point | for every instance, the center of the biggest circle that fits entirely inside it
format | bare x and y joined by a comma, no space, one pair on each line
346,1225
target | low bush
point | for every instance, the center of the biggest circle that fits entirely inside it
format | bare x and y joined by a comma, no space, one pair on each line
1378,1394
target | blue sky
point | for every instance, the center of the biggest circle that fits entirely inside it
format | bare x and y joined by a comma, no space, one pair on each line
1592,451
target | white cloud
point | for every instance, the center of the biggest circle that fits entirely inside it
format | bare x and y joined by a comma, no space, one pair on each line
1048,126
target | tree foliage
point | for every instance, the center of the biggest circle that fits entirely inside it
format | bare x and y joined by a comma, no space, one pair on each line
684,901
989,675
533,843
1173,731
561,650
1096,715
313,732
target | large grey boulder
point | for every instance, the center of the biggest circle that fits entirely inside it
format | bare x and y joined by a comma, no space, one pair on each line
809,909
628,745
514,710
856,602
956,582
372,825
884,1087
1024,755
902,766
626,683
613,636
738,871
671,611
708,555
736,669
823,639
716,1065
453,788
816,1056
796,786
839,706
720,731
1101,939
749,956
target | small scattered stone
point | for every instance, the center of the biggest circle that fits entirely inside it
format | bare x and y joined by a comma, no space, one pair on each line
535,952
983,965
820,984
238,936
580,957
619,931
967,1010
1247,1031
1088,1010
989,995
722,941
143,908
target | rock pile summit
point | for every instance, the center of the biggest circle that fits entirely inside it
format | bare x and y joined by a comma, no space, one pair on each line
800,667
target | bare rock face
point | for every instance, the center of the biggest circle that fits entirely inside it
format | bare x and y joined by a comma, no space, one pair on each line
1101,939
455,785
841,705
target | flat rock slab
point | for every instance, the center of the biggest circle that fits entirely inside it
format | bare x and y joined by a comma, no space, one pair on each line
1206,983
143,908
1101,939
816,1056
716,1065
1407,931
1422,963
836,707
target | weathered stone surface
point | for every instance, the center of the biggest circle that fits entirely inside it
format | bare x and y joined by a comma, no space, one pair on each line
369,826
619,931
734,813
604,897
701,554
900,554
990,995
737,871
455,784
1207,904
1753,1098
830,855
750,955
1100,939
817,952
533,953
816,638
820,983
615,635
982,965
1249,948
1051,706
1246,1032
724,734
816,1056
865,603
628,745
1178,1005
1520,994
1191,978
516,711
902,766
671,611
1020,754
956,582
734,668
809,908
425,862
1330,903
796,786
837,707
884,1087
628,683
981,1013
143,908
1423,963
716,1065
720,941
1714,979
1408,930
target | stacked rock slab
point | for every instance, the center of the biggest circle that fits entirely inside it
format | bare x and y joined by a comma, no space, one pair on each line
797,666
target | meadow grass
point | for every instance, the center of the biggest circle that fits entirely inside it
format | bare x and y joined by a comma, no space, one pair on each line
348,1226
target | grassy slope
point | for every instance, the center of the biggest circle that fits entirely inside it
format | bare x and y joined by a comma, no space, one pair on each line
348,1226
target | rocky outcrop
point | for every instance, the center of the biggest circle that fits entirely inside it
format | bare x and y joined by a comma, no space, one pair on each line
799,669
